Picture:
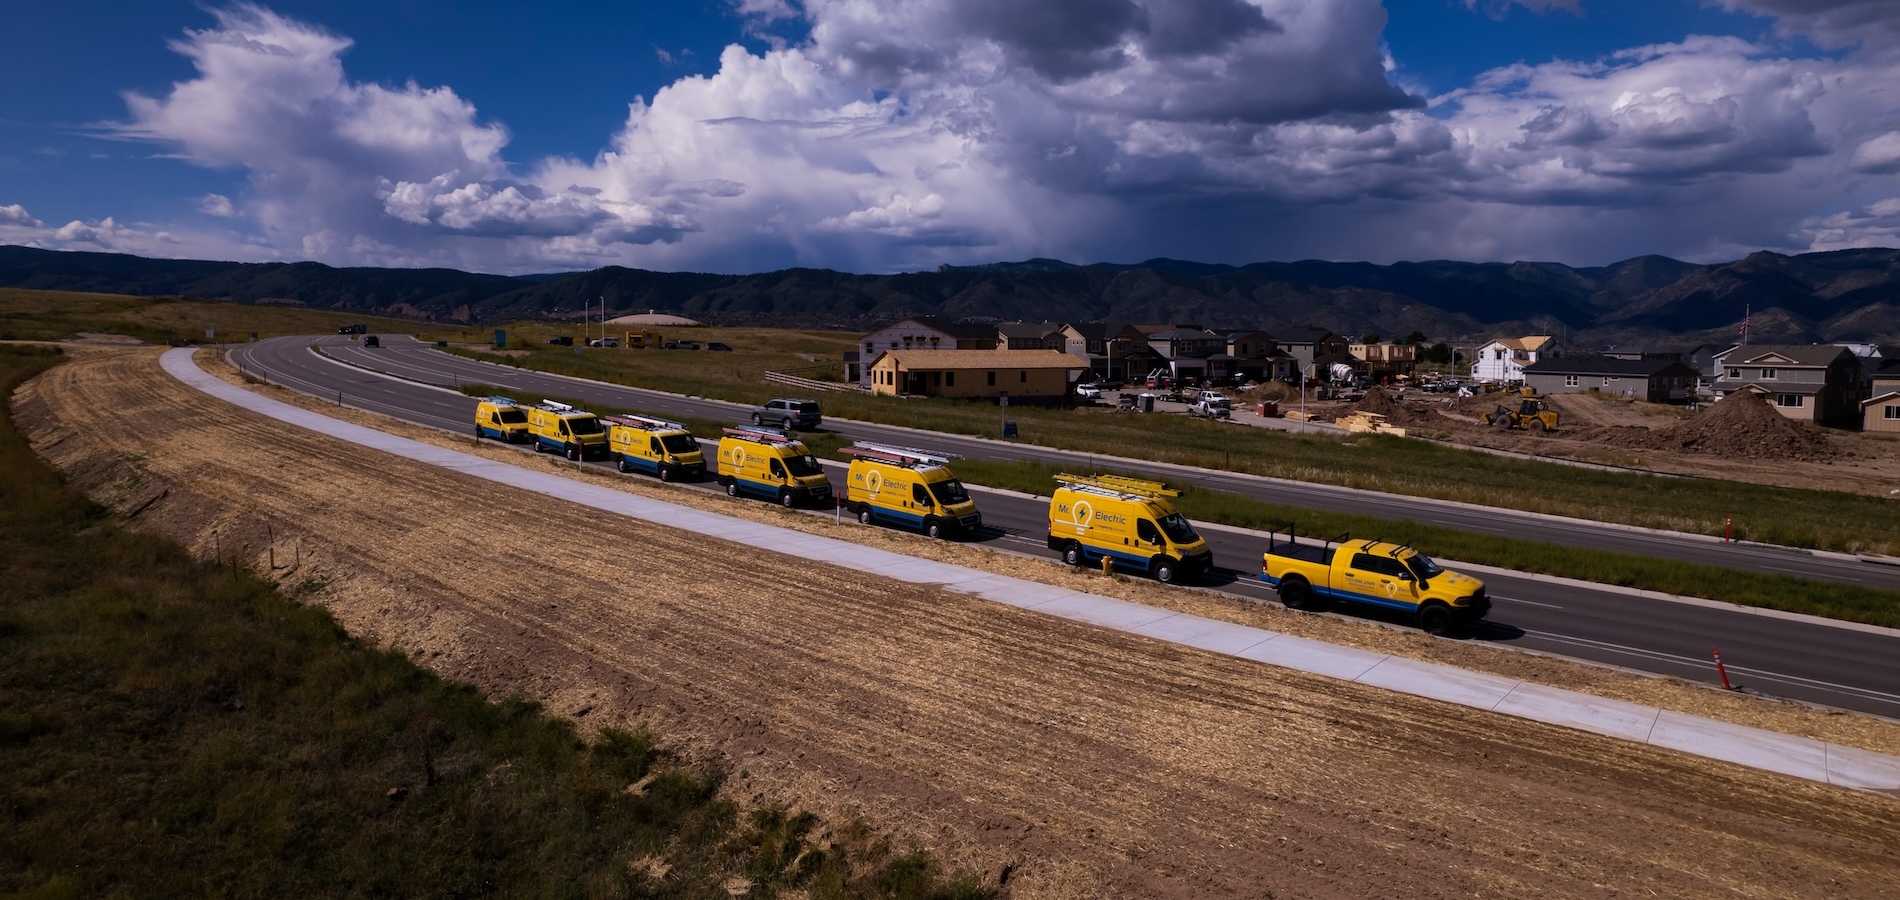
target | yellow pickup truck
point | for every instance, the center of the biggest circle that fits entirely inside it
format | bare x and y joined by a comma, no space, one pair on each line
1373,573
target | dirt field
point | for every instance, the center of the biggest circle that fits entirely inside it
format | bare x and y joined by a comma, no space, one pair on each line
1083,763
1619,432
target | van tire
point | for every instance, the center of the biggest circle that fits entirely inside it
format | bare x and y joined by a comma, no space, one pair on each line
1165,570
1296,593
785,499
666,473
1072,554
621,464
1435,619
732,488
864,514
933,529
573,452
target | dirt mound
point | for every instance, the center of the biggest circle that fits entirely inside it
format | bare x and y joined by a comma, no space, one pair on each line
1396,411
1744,426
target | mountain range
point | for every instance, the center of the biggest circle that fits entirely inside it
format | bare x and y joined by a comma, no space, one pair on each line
1844,295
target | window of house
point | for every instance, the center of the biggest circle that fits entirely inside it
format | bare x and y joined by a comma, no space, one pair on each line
1890,413
894,344
1791,401
1767,374
1734,373
992,379
870,346
949,379
1606,380
1572,380
1023,376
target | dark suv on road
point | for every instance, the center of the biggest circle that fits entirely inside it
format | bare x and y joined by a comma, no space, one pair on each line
801,415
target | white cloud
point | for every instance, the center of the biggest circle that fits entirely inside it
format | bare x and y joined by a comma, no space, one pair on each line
217,205
904,134
18,216
1873,24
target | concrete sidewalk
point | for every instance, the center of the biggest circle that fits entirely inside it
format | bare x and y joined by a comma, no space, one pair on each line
1764,750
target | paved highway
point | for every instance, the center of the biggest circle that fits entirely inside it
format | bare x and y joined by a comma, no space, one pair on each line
1797,659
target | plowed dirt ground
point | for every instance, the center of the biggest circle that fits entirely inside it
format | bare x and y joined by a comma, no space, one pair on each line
1083,762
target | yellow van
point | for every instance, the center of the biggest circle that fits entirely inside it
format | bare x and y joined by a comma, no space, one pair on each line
502,419
654,447
560,428
908,487
771,465
1127,521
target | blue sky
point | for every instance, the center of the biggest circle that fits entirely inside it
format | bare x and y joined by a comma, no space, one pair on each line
743,135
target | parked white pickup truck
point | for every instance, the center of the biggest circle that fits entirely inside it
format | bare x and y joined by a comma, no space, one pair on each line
1211,405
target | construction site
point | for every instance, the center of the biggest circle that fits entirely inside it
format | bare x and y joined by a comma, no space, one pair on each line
1062,760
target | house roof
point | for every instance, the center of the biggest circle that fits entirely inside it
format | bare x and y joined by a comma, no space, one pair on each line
1605,365
959,330
1529,342
1243,335
1304,334
1185,334
1772,387
1090,331
945,360
1818,356
1883,398
1027,329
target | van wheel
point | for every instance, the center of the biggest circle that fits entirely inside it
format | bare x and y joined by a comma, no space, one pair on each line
622,466
732,488
1296,593
1434,619
1165,571
666,473
864,514
933,529
1072,555
785,499
536,444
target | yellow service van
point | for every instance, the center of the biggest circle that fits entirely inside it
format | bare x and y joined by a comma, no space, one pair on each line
502,419
560,428
654,447
1127,521
909,487
771,465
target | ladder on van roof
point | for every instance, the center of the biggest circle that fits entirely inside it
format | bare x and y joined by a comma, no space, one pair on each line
903,456
1120,484
759,434
645,423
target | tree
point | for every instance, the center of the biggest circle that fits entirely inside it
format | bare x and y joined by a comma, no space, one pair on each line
1436,353
1415,338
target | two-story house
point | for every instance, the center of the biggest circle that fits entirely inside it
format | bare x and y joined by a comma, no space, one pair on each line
1113,350
916,333
1308,344
1503,360
1386,360
1881,412
1186,351
1807,382
1029,336
1256,355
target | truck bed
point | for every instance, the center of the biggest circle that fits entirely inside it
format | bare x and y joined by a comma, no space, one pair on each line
1305,553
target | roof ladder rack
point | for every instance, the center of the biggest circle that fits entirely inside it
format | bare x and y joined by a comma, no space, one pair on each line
904,456
1120,483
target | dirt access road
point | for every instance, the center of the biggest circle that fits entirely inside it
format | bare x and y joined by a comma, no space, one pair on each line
1089,763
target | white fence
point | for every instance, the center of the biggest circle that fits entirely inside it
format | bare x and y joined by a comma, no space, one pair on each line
810,384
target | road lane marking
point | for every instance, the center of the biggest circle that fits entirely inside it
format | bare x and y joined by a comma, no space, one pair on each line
1528,602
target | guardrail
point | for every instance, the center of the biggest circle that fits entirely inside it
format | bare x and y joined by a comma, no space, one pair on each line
809,384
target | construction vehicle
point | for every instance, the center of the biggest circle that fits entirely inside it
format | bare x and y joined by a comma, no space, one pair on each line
501,418
571,432
1374,573
1115,521
654,447
772,465
908,487
1531,414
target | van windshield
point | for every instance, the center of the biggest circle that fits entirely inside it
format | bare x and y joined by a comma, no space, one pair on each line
513,417
1178,529
679,443
584,425
803,466
949,493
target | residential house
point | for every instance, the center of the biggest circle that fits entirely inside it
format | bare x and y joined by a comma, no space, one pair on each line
1113,351
1881,411
1025,376
1385,361
1029,336
1186,352
1503,360
1807,382
1307,345
917,333
1256,355
1654,380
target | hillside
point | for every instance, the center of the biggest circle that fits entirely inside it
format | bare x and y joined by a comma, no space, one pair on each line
1849,295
